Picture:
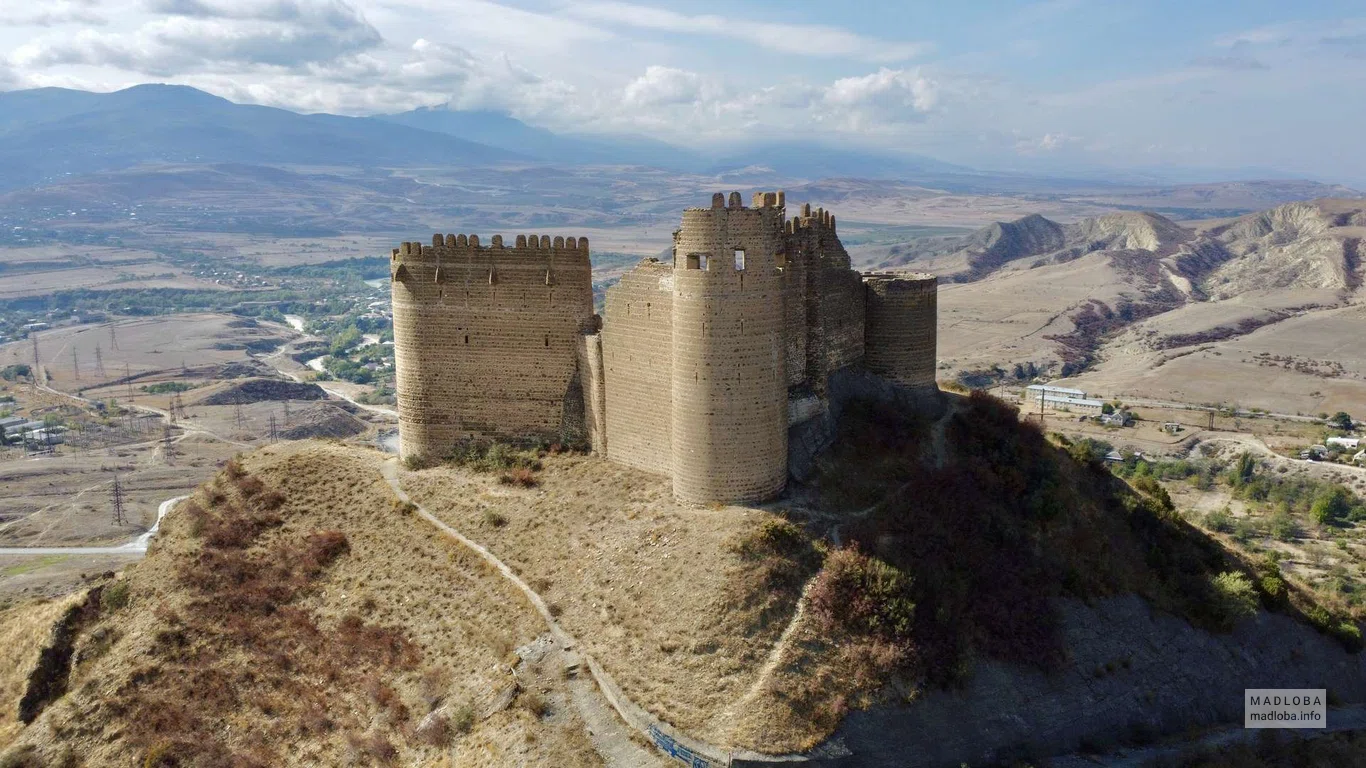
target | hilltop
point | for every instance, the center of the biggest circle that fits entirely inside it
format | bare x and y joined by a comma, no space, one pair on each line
1100,291
295,599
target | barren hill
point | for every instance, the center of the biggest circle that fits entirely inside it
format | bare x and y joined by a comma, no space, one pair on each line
294,612
1066,297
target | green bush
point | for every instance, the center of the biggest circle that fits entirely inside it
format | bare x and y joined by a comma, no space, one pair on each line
1219,520
1284,527
1332,505
1154,490
114,596
15,372
1235,598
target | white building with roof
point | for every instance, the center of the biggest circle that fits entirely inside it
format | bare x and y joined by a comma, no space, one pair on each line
1062,398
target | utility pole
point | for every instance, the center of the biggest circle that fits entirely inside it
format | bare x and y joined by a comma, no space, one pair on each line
286,413
113,337
99,362
34,338
167,445
118,502
1211,421
274,433
128,379
75,363
237,413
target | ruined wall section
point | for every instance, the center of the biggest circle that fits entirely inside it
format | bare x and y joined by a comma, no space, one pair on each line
833,296
637,360
729,382
902,328
487,340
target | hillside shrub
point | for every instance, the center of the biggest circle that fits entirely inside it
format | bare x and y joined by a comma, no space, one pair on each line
979,547
781,556
1235,597
114,595
862,595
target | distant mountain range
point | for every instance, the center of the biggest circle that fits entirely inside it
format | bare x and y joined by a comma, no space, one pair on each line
48,135
48,132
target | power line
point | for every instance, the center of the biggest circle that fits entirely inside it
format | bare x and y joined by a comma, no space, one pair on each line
118,502
167,444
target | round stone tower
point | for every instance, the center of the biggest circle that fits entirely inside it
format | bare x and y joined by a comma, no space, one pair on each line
729,418
900,327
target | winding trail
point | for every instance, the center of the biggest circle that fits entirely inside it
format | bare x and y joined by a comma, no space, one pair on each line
669,739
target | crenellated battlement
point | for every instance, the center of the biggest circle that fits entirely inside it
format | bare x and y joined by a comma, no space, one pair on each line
819,219
689,369
529,245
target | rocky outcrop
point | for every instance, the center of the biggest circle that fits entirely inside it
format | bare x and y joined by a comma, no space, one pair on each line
1133,674
262,390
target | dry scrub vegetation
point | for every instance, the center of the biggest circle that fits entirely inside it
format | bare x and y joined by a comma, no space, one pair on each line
682,605
965,560
291,614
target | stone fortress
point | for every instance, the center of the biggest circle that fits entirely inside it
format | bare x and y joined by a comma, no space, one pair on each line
705,369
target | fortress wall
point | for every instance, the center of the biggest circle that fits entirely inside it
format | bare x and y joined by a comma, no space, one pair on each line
594,392
637,356
487,339
834,296
729,384
901,328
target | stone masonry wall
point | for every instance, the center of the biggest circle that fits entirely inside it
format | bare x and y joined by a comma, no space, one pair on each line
487,340
693,368
637,357
729,386
832,294
901,327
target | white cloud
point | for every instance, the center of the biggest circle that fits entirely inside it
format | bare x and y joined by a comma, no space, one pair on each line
208,35
799,39
661,86
51,13
879,100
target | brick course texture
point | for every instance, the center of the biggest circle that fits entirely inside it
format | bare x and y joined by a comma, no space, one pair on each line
689,371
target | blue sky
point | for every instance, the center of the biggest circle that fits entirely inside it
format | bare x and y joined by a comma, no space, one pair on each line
1053,85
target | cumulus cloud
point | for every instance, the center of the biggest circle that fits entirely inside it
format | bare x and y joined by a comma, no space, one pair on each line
887,96
661,86
801,39
199,35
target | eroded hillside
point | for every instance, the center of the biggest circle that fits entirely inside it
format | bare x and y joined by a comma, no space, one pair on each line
295,612
1126,292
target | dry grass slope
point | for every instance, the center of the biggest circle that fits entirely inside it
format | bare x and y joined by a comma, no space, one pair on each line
292,614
